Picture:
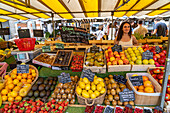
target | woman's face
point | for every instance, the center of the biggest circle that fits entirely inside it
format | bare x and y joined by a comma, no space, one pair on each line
126,28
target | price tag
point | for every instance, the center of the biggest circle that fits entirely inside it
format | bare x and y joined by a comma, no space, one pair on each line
117,48
157,49
126,95
88,74
59,46
22,68
147,55
46,49
64,78
136,80
120,79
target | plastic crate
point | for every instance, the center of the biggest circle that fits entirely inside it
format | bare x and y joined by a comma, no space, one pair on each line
25,44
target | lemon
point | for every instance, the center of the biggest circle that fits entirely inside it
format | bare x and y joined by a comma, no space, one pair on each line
99,79
87,87
99,87
97,93
85,80
85,94
103,91
93,87
102,83
82,85
90,91
93,96
95,77
96,81
78,90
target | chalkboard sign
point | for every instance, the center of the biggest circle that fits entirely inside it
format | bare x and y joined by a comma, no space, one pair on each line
126,95
147,55
117,48
24,33
73,34
38,33
64,78
157,49
4,31
59,46
46,49
120,79
22,68
136,80
88,74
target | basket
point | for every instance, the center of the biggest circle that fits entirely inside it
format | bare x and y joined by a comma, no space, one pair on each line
25,44
145,98
87,101
5,44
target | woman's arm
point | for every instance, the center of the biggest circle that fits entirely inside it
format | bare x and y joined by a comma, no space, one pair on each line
135,41
115,41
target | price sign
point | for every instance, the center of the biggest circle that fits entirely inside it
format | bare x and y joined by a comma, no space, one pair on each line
157,49
126,95
88,74
120,79
117,48
46,49
147,55
136,80
59,46
22,68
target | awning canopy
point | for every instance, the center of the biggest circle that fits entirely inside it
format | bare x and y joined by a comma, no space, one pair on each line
68,9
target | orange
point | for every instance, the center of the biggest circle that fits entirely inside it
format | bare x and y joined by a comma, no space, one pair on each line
16,88
4,91
10,86
141,87
6,77
14,94
9,94
149,90
23,80
20,84
136,88
19,77
9,79
29,76
29,81
32,78
14,71
33,71
4,98
30,71
147,84
20,74
18,98
140,90
9,82
6,87
10,99
34,74
145,78
24,75
13,76
16,81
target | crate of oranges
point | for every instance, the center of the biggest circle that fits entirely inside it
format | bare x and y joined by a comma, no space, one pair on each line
147,94
17,85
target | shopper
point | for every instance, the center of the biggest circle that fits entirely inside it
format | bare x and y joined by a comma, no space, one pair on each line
140,29
100,33
125,37
112,29
160,28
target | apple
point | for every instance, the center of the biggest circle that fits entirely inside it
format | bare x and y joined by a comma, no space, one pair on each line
107,57
164,57
154,76
153,51
168,81
168,90
157,70
161,54
120,62
108,60
122,53
109,50
123,57
155,58
106,54
125,61
160,81
117,56
169,77
157,80
117,59
161,60
151,61
157,64
151,72
168,85
109,63
116,53
146,46
146,49
111,55
114,62
109,47
164,51
112,58
160,76
167,97
157,55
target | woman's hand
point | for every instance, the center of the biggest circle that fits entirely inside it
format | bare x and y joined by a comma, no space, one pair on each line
135,41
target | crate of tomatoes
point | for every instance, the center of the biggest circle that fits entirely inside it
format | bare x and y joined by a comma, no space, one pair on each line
77,63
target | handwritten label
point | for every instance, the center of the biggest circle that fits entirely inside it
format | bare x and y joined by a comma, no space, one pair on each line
22,68
147,55
59,46
120,79
136,80
157,49
46,49
126,95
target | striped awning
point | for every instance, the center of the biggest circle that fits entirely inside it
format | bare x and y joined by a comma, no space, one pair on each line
68,9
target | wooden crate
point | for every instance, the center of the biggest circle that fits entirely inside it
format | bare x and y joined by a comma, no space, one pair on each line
118,68
145,98
149,68
141,67
108,41
154,40
95,41
164,38
142,41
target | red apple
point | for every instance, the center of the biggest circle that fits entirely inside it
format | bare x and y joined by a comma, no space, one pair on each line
160,76
120,62
114,62
161,60
151,72
117,56
109,47
107,57
125,61
108,60
168,90
109,50
168,81
167,97
116,53
154,76
157,64
157,80
164,51
111,55
146,46
168,85
157,70
122,53
153,51
161,54
109,63
117,59
157,55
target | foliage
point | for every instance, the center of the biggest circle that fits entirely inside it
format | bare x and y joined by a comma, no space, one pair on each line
138,36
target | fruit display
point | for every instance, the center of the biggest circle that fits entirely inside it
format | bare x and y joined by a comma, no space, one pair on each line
113,89
42,89
65,91
134,56
95,57
159,55
118,109
62,58
88,74
92,90
89,109
128,109
115,58
158,74
53,107
99,109
108,109
22,107
138,110
17,85
45,58
77,63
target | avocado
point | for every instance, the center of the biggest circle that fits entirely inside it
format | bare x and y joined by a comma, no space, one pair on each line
42,93
36,93
30,93
40,81
46,82
48,93
50,78
50,82
26,98
52,87
32,98
41,87
54,82
47,87
34,87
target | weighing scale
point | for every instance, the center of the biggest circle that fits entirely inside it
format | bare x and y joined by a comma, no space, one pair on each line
25,56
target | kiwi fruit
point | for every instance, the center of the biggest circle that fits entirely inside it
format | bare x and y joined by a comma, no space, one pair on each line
120,103
109,86
108,92
52,87
125,103
114,86
116,97
40,81
107,82
107,102
113,92
41,87
114,102
110,97
48,93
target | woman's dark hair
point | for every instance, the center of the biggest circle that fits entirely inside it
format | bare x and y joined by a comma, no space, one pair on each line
120,32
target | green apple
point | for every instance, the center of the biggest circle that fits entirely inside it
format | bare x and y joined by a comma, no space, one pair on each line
151,61
133,58
132,63
145,62
139,61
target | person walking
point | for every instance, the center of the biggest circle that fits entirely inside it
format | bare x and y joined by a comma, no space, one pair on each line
140,29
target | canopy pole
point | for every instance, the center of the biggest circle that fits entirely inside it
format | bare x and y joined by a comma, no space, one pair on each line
52,15
112,25
167,71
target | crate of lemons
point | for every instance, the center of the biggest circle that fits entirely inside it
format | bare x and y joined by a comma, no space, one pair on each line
91,90
17,85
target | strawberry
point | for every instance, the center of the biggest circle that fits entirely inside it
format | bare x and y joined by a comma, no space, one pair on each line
34,109
60,108
53,101
2,110
56,106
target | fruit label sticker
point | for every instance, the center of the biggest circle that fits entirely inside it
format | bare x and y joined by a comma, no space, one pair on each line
126,95
147,55
157,49
117,48
120,79
59,46
22,68
136,80
46,49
